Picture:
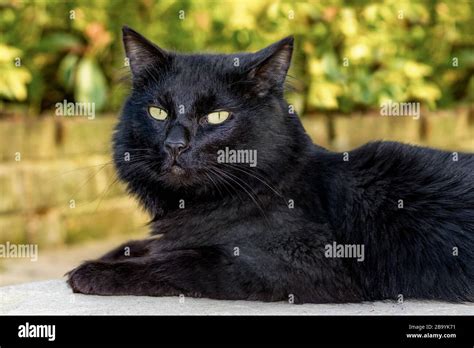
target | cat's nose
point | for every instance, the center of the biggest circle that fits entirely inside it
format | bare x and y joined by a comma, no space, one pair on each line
174,148
176,141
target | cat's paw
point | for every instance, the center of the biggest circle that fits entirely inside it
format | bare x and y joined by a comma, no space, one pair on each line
88,278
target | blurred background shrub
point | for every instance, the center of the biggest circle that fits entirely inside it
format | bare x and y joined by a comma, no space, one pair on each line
350,55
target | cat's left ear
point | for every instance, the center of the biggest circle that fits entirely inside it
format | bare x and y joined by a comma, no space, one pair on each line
270,65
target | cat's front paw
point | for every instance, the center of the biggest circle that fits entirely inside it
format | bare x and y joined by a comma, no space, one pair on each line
88,278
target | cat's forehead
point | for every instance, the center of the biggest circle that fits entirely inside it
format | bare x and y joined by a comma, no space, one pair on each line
192,77
207,68
210,62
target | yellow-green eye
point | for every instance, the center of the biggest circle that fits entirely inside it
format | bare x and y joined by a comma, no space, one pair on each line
217,117
157,113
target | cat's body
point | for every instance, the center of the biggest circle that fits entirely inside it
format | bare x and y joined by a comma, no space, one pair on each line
264,233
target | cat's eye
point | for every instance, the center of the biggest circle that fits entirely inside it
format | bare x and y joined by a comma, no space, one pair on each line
157,113
217,117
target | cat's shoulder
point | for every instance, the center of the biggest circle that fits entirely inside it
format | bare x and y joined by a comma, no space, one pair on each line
380,147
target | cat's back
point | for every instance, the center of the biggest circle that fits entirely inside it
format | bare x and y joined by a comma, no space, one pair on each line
402,167
392,175
413,209
393,154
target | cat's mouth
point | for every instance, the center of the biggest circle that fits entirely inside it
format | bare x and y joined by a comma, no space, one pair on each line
173,168
176,174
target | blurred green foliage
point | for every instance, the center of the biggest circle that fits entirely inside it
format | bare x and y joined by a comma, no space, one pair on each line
349,55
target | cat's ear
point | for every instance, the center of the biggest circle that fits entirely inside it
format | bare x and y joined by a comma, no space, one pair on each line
270,65
143,55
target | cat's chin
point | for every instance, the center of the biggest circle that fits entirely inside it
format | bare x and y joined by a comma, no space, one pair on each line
177,176
177,171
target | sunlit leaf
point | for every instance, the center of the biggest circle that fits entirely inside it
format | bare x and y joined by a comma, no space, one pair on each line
67,69
90,86
13,78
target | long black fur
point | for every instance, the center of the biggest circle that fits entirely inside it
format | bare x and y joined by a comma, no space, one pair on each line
230,231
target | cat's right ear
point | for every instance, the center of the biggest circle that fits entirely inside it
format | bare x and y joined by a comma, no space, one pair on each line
143,55
270,65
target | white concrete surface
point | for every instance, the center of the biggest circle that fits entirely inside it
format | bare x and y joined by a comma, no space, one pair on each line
54,297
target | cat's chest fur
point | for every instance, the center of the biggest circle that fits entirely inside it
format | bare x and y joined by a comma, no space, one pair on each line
239,225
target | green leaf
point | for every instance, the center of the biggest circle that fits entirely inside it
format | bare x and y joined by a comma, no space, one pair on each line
57,42
91,86
67,69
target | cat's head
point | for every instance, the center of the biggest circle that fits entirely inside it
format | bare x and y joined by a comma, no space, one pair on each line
186,109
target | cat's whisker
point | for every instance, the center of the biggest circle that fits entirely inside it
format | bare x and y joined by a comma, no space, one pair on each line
254,199
213,182
106,191
80,168
88,180
134,158
255,176
219,182
226,183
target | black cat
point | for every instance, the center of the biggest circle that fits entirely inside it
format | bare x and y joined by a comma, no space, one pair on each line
249,208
